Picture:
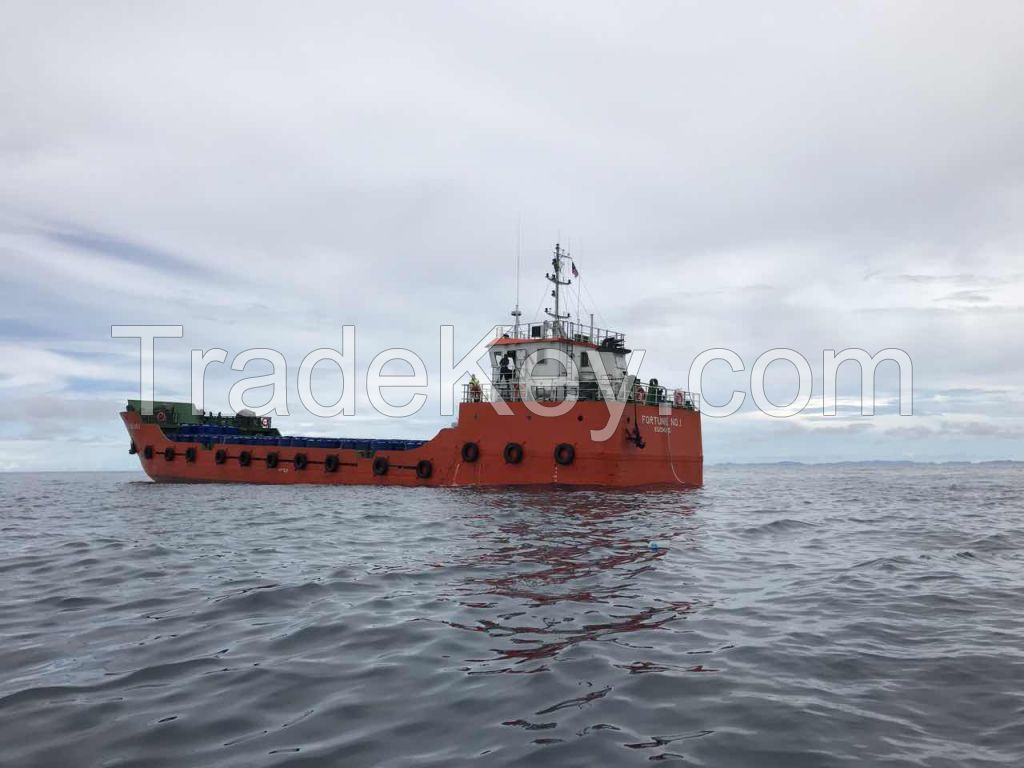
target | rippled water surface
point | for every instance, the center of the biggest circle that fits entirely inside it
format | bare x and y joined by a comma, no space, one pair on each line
791,616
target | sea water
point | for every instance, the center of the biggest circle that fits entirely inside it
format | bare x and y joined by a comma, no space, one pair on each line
780,616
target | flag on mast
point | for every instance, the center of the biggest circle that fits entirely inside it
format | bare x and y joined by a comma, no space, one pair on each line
575,272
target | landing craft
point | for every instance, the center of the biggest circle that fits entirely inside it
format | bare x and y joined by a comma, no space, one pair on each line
560,381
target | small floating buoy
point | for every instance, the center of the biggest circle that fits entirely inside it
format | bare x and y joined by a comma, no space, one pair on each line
653,546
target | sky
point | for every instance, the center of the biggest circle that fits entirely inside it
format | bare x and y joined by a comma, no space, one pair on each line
797,175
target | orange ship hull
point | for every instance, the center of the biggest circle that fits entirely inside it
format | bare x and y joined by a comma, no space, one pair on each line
671,454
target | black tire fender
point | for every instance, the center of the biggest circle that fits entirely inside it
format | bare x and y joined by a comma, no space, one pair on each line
513,453
565,454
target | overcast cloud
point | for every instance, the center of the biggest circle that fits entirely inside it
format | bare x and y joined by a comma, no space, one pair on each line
806,175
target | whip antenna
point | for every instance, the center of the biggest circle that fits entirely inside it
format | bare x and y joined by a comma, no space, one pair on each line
516,314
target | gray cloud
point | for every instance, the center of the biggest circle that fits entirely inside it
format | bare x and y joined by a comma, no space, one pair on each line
962,429
124,250
805,176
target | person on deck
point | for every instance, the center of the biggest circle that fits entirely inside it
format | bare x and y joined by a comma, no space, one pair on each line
505,375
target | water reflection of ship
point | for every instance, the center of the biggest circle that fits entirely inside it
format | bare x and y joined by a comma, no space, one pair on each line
563,558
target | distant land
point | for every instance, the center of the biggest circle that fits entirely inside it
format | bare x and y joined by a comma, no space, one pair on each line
872,463
878,464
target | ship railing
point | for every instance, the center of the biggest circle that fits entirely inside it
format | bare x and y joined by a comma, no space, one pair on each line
562,329
640,393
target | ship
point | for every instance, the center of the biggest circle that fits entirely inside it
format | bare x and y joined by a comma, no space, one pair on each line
559,408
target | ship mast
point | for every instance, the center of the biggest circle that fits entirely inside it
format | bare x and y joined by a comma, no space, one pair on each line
558,282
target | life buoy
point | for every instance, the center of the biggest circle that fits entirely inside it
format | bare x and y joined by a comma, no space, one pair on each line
513,453
470,452
272,460
264,422
380,466
639,394
565,454
147,452
161,416
245,458
678,398
190,455
331,463
300,461
220,456
169,453
424,469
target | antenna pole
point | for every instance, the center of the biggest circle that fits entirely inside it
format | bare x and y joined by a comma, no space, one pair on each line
516,314
519,252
